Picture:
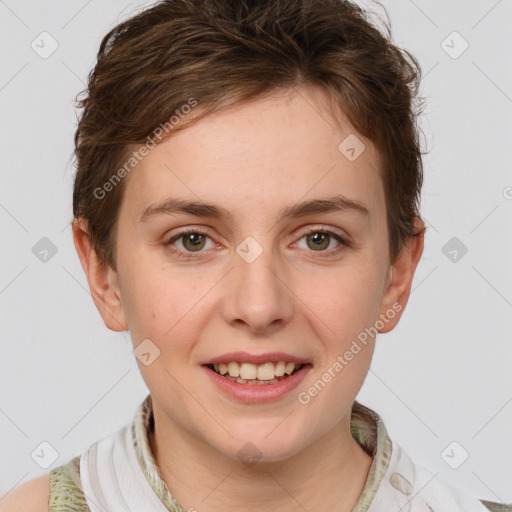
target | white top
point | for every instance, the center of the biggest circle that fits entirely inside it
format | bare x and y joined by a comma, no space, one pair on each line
113,480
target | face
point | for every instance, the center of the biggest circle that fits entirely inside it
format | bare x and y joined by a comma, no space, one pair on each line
257,273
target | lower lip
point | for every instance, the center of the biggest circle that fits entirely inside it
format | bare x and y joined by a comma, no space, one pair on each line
258,393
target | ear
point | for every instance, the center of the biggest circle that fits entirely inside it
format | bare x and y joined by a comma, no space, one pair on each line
399,279
103,281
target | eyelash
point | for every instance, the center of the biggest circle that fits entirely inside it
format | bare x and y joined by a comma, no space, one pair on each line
188,255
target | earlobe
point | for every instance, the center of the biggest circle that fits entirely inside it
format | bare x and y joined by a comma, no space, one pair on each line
103,282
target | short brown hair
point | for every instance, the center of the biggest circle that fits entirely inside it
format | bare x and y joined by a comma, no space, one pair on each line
222,52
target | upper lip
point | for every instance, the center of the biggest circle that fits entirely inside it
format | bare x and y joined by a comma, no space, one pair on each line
245,357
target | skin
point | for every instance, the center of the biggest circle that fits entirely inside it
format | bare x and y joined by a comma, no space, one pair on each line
253,159
32,496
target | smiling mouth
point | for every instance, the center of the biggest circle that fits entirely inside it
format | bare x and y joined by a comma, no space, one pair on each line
263,374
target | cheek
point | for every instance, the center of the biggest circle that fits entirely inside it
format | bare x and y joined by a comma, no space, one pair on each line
151,305
169,309
345,303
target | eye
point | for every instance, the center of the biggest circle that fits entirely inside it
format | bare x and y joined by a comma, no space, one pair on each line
192,240
318,239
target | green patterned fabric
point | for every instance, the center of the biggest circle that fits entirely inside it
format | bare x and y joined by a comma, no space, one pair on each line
141,426
367,428
497,507
65,488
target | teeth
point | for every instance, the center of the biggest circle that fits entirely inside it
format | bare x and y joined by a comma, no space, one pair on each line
248,371
280,366
266,372
289,368
255,381
234,369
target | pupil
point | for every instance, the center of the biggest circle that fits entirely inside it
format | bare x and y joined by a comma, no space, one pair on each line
319,237
194,239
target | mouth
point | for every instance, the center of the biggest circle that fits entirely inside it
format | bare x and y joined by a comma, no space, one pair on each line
271,372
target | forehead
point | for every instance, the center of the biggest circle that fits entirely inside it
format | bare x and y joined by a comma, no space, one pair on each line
261,156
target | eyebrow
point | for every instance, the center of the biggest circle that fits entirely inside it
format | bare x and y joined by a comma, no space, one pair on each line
337,203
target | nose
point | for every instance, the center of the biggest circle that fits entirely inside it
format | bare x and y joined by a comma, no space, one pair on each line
257,296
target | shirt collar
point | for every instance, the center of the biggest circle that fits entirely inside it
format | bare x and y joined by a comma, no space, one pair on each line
366,427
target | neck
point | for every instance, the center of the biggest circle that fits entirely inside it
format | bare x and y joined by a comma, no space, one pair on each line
331,473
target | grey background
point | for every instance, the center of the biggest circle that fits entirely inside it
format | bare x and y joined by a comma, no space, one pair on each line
443,375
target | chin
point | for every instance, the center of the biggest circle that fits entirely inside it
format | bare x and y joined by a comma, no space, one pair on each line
259,444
